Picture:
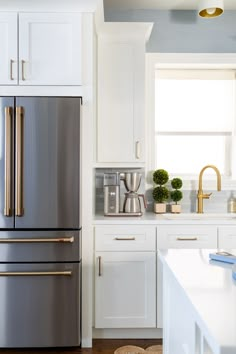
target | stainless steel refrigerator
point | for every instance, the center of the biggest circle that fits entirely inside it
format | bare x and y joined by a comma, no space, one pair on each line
40,230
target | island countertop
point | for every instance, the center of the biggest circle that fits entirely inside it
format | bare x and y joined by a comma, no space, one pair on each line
211,292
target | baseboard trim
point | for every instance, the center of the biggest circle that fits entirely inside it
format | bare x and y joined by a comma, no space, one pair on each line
144,333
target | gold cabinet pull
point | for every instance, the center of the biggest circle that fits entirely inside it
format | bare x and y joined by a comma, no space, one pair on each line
38,240
11,69
19,161
10,274
23,70
99,266
8,161
137,149
125,238
194,238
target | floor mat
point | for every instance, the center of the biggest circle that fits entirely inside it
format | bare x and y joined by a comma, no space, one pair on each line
132,349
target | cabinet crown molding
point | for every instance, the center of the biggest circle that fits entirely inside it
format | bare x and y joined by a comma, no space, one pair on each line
126,30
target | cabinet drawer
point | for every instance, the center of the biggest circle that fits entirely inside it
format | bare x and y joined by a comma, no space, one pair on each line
125,238
186,236
227,237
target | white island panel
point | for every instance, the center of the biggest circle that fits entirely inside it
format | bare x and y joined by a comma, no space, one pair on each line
208,295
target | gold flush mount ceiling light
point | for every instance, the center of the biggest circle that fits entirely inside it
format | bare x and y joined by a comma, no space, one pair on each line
210,8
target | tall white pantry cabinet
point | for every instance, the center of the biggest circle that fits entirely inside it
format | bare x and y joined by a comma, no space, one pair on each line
40,48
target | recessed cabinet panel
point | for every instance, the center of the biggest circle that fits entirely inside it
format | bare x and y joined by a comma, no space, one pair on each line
120,128
125,290
50,49
116,104
8,48
227,237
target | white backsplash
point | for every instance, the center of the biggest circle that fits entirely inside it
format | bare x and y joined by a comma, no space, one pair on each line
217,203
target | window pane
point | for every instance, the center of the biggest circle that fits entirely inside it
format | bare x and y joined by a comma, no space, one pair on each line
188,154
195,105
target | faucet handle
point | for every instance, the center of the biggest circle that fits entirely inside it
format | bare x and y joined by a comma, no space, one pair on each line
206,195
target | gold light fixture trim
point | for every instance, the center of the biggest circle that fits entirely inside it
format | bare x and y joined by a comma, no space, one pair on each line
210,8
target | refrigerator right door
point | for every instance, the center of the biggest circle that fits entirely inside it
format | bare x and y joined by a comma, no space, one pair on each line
6,162
47,162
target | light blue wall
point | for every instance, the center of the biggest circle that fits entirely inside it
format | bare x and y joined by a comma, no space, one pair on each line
183,31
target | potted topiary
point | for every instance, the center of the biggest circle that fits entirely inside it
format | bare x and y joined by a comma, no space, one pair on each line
176,195
160,192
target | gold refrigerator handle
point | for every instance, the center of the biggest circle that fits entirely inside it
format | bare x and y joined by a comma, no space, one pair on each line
8,161
65,273
38,240
19,161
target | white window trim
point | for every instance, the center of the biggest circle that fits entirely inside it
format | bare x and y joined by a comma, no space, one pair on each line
182,61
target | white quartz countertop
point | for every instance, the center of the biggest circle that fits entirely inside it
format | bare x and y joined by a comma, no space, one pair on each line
150,218
211,290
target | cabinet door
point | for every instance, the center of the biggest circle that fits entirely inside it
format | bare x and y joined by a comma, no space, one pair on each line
125,290
50,48
8,48
120,102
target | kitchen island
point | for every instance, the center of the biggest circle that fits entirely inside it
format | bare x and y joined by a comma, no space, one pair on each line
199,303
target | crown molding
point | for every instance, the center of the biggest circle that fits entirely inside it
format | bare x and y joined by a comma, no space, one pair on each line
193,60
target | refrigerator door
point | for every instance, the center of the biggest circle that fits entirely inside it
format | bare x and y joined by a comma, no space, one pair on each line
40,305
6,162
47,162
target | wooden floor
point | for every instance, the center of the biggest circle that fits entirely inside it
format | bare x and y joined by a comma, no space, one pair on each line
100,346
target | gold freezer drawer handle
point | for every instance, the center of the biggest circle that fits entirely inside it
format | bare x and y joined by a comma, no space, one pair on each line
38,240
10,274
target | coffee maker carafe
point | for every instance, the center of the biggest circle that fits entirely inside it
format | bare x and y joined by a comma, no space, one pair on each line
132,204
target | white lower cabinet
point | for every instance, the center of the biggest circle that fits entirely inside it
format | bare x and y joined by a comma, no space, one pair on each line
128,274
125,281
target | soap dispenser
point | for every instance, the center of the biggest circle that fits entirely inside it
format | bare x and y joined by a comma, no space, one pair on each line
232,204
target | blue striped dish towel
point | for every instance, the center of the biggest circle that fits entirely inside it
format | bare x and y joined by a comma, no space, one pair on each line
223,256
234,271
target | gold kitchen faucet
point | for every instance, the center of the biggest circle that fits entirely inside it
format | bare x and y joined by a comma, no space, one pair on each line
201,195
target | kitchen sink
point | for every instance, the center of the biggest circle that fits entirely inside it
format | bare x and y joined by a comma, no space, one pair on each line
196,216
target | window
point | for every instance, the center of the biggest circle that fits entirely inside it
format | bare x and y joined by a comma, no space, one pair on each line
194,120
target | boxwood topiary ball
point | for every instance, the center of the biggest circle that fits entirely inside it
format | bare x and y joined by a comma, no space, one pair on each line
160,194
160,176
176,195
176,183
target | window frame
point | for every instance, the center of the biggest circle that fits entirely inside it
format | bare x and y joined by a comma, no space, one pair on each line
155,61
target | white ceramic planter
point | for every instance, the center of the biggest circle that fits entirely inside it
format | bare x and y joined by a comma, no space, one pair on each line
159,208
176,208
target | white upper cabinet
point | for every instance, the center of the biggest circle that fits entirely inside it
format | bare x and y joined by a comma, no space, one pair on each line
121,94
49,49
8,48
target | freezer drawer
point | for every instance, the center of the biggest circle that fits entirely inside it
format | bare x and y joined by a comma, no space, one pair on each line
40,246
39,305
